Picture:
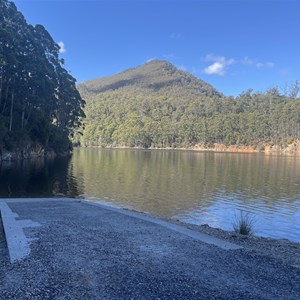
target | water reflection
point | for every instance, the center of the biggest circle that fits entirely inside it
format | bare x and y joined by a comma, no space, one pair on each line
38,178
195,187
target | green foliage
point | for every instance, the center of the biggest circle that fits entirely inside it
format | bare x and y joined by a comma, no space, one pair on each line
58,140
157,105
36,92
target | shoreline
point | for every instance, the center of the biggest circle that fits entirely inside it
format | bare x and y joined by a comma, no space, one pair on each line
18,156
22,155
290,150
283,250
205,228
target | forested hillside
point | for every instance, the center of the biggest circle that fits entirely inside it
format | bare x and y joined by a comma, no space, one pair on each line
157,105
39,102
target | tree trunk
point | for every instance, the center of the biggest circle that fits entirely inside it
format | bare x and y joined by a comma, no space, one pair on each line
22,120
6,96
1,86
11,110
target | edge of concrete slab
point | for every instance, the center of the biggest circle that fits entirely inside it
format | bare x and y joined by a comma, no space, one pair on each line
142,216
17,244
202,237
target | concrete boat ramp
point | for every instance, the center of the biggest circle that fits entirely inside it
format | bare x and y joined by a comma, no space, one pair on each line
75,249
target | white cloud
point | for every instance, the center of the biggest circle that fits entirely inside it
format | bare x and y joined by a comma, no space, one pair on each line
220,59
219,65
255,62
216,68
62,47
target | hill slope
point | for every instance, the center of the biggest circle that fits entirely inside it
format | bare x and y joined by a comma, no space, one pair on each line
153,78
157,105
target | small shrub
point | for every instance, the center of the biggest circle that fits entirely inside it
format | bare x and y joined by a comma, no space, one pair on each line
243,224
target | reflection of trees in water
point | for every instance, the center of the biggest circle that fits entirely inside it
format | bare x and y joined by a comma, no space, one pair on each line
37,177
156,180
161,181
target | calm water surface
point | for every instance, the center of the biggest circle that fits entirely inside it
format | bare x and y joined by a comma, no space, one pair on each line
196,187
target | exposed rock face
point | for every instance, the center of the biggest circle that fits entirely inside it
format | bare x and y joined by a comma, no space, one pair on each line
224,148
30,151
291,149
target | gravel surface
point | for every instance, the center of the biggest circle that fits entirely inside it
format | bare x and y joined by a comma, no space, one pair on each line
280,249
87,252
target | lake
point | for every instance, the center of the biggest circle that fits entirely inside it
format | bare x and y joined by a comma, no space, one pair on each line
195,187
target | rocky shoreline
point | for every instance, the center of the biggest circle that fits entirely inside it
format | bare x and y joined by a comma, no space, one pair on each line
37,151
27,152
291,149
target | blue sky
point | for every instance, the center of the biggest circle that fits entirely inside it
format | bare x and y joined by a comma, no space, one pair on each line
234,45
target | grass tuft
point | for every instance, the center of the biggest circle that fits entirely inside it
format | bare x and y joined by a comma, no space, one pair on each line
244,224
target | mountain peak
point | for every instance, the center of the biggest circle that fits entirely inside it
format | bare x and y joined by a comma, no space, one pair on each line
158,62
156,77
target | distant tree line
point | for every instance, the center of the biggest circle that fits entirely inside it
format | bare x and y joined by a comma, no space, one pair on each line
39,102
122,117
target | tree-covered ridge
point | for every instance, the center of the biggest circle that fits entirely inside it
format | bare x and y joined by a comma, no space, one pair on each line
39,102
179,117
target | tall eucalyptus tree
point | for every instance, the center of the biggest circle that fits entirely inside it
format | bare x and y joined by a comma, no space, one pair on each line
39,101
